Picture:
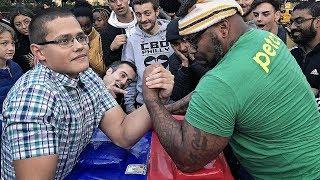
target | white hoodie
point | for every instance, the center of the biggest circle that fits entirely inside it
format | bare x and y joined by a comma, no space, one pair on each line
113,21
144,49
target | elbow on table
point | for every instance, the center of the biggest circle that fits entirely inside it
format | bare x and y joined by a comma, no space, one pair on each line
185,164
123,144
188,168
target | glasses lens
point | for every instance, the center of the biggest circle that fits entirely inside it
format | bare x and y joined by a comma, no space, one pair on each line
194,38
299,21
83,39
66,41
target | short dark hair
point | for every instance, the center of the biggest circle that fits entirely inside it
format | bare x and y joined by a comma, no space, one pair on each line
155,3
104,11
275,4
19,10
38,30
185,6
171,6
83,9
115,65
312,6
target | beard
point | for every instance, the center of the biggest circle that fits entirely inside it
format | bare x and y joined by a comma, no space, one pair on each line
206,60
305,36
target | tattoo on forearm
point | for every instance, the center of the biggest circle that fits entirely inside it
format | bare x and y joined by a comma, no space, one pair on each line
180,107
199,142
147,101
189,147
168,129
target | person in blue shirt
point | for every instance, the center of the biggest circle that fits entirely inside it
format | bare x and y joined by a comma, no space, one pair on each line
9,70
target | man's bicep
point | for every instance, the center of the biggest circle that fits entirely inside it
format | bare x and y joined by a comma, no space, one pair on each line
111,124
209,122
201,147
125,130
42,167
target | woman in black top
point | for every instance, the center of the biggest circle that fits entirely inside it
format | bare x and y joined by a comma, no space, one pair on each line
20,19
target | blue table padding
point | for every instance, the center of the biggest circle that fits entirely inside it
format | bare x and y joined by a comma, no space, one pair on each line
103,160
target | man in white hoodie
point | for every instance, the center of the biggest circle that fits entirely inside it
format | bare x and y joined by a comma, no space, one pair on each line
120,23
146,45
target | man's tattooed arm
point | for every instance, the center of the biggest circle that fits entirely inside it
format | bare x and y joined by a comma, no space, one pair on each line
181,106
189,147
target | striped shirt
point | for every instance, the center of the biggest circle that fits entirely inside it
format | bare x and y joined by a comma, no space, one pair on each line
49,113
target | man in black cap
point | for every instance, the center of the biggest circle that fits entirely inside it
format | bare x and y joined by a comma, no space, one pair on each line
186,71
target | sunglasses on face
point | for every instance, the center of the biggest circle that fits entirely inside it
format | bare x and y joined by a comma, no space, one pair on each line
194,38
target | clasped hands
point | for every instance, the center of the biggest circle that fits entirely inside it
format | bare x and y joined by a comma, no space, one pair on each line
157,83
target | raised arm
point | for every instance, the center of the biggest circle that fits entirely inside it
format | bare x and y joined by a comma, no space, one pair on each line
189,147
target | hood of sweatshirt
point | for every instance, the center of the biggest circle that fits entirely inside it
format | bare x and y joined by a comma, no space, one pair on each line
113,21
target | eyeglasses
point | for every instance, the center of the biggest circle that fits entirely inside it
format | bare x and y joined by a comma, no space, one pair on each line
194,38
68,41
298,21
